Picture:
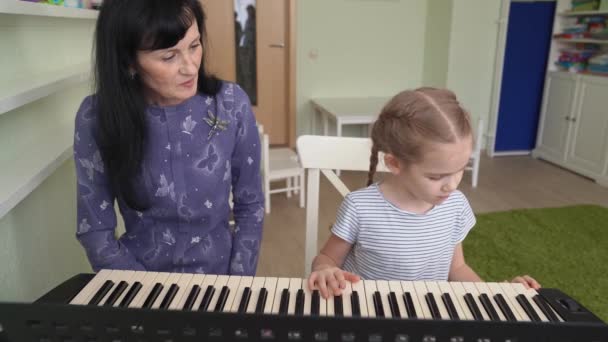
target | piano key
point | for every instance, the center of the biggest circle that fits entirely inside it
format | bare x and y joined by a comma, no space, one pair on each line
282,284
545,308
488,303
315,306
295,284
358,301
299,310
523,301
233,286
510,295
240,300
207,286
169,296
463,313
205,304
394,304
384,290
171,279
218,286
270,284
433,288
347,310
338,306
153,296
307,297
135,285
529,294
471,289
103,291
504,307
85,295
432,304
184,286
116,277
473,307
256,286
222,299
262,298
419,288
146,287
449,305
378,307
116,292
367,297
409,291
191,293
396,289
284,303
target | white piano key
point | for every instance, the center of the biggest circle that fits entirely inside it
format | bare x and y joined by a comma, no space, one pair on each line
421,311
509,297
282,283
359,288
138,276
220,282
384,289
116,277
530,293
209,280
256,285
245,282
421,291
147,285
295,284
459,292
196,279
270,284
307,297
346,303
233,285
484,289
368,297
472,289
433,288
323,306
85,295
395,286
183,291
444,287
171,279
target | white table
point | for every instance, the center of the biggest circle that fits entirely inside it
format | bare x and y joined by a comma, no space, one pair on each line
347,111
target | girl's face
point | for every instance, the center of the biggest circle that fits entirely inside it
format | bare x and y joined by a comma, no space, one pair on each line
439,173
170,76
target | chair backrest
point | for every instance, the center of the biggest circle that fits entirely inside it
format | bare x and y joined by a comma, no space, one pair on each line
479,137
265,162
323,154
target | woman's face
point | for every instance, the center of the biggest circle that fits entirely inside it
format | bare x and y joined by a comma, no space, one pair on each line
170,76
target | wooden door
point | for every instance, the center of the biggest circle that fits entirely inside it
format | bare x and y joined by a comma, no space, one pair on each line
272,41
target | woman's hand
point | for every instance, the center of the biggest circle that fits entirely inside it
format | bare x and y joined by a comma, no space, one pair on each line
527,281
330,280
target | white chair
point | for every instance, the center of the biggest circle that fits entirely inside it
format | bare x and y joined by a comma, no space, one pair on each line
281,164
476,155
323,154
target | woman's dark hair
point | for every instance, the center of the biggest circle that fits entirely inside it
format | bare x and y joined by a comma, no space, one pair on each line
123,28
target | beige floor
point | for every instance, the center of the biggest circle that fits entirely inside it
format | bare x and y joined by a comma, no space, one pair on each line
505,183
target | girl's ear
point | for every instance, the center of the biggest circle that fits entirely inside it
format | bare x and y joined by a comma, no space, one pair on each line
392,163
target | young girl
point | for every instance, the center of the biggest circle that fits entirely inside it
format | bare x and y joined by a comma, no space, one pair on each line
409,226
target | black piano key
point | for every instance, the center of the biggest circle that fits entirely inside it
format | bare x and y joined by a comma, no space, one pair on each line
194,292
392,301
133,291
468,298
221,301
315,303
430,301
525,304
169,296
209,292
354,303
449,304
259,306
158,287
504,307
300,303
245,300
284,304
487,304
338,306
103,290
378,304
545,308
118,290
409,305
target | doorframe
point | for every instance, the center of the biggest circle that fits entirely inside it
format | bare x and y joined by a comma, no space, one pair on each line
291,74
503,29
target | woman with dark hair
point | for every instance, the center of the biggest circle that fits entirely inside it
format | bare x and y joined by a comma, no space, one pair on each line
168,142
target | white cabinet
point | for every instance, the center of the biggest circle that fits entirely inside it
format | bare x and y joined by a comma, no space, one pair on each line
573,130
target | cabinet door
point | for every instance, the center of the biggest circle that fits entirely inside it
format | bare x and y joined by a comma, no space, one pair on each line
589,141
558,105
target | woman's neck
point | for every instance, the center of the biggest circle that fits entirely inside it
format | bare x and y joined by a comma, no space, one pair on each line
402,198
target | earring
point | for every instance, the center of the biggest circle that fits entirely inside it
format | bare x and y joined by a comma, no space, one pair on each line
132,74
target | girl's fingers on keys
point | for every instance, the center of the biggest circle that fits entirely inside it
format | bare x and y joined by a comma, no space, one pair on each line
353,278
340,277
334,286
311,281
322,285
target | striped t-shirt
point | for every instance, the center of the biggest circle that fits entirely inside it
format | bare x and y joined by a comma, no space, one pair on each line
390,243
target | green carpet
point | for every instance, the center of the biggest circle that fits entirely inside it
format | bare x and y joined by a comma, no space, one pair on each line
564,248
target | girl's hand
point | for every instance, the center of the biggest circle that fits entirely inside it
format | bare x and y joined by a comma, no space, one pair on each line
527,281
330,281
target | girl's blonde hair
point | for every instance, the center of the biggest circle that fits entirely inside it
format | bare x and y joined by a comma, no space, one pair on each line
413,118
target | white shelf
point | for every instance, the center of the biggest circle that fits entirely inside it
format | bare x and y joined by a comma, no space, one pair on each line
581,13
582,40
28,88
20,177
32,8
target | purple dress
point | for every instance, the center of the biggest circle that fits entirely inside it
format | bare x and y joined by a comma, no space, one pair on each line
196,153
